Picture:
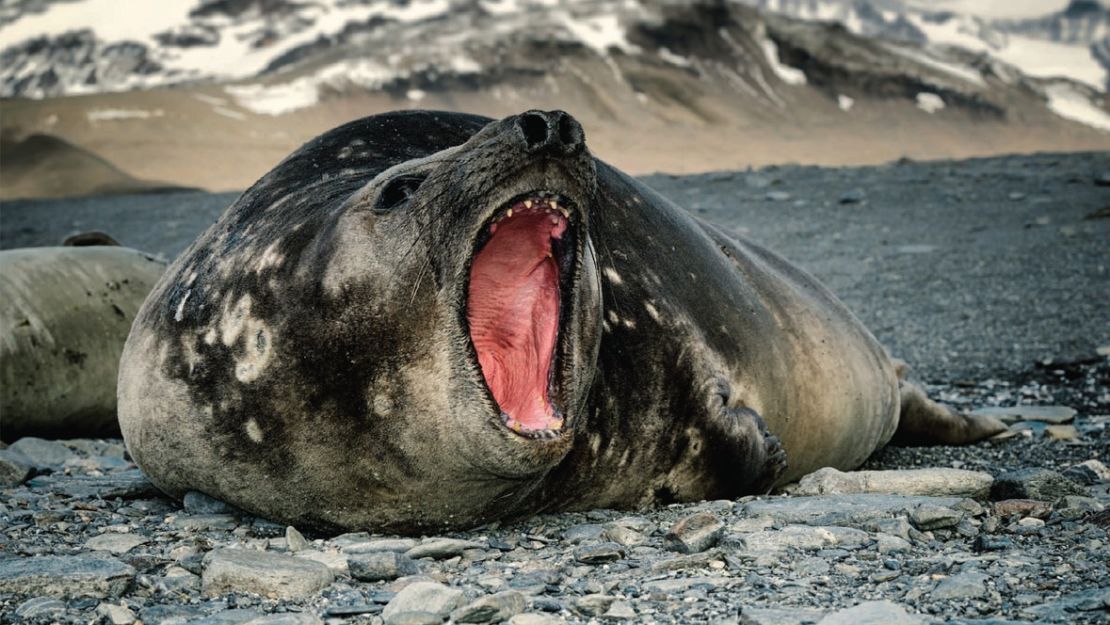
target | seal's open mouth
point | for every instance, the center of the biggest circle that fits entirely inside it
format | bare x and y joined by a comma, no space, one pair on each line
514,306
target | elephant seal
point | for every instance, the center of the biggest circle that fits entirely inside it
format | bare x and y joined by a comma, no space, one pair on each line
65,313
421,321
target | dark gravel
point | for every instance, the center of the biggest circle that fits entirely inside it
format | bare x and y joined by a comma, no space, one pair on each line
964,269
984,274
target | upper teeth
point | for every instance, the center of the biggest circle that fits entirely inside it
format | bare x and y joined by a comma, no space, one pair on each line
550,206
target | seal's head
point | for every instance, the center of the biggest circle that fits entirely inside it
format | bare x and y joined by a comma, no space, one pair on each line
493,298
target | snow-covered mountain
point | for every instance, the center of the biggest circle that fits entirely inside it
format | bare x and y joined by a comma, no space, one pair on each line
677,85
1066,40
55,47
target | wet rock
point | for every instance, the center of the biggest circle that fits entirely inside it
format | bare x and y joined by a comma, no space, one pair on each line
535,619
593,605
929,516
599,554
380,566
1061,433
620,611
989,542
334,560
1044,414
130,484
790,537
892,544
968,585
86,575
115,543
873,613
848,510
294,540
200,503
418,617
1075,507
694,533
624,536
427,597
40,607
42,454
1065,608
1028,525
1034,483
201,522
268,574
491,608
1022,507
927,482
779,616
669,587
1088,472
587,532
116,614
400,545
288,618
442,548
14,468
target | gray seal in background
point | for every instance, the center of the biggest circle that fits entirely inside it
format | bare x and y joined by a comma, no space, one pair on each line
65,313
421,321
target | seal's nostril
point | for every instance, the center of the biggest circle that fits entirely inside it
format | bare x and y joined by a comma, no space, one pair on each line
570,132
534,127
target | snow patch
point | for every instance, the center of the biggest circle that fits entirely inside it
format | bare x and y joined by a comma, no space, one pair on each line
111,20
1035,57
955,70
674,59
275,99
993,9
1070,103
599,32
115,115
929,102
787,74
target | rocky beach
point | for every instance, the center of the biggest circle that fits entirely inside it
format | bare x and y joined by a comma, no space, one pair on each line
988,276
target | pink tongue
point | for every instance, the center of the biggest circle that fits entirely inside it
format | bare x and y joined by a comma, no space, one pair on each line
513,309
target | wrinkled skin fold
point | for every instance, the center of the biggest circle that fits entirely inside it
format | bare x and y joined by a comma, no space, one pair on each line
351,346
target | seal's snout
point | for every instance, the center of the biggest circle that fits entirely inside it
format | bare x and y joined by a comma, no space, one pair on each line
551,132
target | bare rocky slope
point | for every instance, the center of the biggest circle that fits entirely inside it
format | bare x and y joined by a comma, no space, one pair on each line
658,85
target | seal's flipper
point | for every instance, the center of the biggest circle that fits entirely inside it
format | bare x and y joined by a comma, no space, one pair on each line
755,458
925,422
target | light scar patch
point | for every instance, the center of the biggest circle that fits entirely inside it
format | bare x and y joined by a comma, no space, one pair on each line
180,314
613,276
270,258
234,320
652,310
253,431
257,353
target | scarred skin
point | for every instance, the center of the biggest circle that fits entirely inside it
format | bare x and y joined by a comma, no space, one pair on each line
308,358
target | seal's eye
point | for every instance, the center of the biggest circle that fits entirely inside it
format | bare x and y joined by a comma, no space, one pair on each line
398,191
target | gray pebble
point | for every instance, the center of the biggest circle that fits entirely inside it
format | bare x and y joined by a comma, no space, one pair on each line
694,533
268,574
381,566
86,575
